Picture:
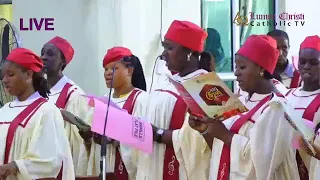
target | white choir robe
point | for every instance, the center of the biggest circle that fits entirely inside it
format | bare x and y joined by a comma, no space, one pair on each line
191,149
314,171
41,146
300,100
261,150
279,86
77,105
127,153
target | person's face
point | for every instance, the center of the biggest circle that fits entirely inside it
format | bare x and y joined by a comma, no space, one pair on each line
309,65
174,55
52,60
283,47
15,80
247,73
122,74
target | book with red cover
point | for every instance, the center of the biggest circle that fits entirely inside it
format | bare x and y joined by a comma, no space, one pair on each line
207,95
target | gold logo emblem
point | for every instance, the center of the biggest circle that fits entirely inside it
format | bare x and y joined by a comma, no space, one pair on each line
213,93
241,20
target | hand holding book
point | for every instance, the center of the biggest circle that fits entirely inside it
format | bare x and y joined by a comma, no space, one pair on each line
196,124
71,118
304,146
97,139
84,129
213,127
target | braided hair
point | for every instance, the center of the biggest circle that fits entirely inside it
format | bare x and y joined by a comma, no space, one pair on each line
138,79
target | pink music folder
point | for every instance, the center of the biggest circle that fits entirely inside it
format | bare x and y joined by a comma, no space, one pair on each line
91,98
121,126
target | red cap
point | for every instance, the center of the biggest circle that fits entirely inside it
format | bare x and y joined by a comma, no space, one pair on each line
312,42
187,34
262,50
26,58
115,54
64,46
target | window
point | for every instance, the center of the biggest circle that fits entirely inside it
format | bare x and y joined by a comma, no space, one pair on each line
225,37
256,8
5,2
6,11
217,21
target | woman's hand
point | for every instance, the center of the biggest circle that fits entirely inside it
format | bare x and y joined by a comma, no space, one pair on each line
196,124
71,118
86,134
68,116
7,170
217,129
115,143
97,138
305,148
84,129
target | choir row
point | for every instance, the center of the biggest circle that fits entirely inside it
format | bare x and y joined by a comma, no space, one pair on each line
46,133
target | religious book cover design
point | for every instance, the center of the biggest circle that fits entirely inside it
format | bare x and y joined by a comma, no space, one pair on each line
207,95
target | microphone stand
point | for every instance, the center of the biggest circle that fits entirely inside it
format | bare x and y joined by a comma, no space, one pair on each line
104,139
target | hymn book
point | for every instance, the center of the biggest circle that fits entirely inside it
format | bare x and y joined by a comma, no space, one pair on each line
207,95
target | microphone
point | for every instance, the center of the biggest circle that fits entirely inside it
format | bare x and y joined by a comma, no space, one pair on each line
104,139
161,57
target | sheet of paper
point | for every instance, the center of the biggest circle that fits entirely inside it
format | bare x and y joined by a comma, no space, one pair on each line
123,127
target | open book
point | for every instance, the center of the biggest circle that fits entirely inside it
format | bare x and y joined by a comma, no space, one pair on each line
207,95
299,124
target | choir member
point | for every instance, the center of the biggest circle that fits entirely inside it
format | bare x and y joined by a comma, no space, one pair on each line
33,144
285,71
314,172
306,99
256,144
56,55
179,151
285,75
314,166
129,86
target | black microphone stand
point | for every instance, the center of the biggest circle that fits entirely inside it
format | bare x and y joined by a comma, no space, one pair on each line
104,139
